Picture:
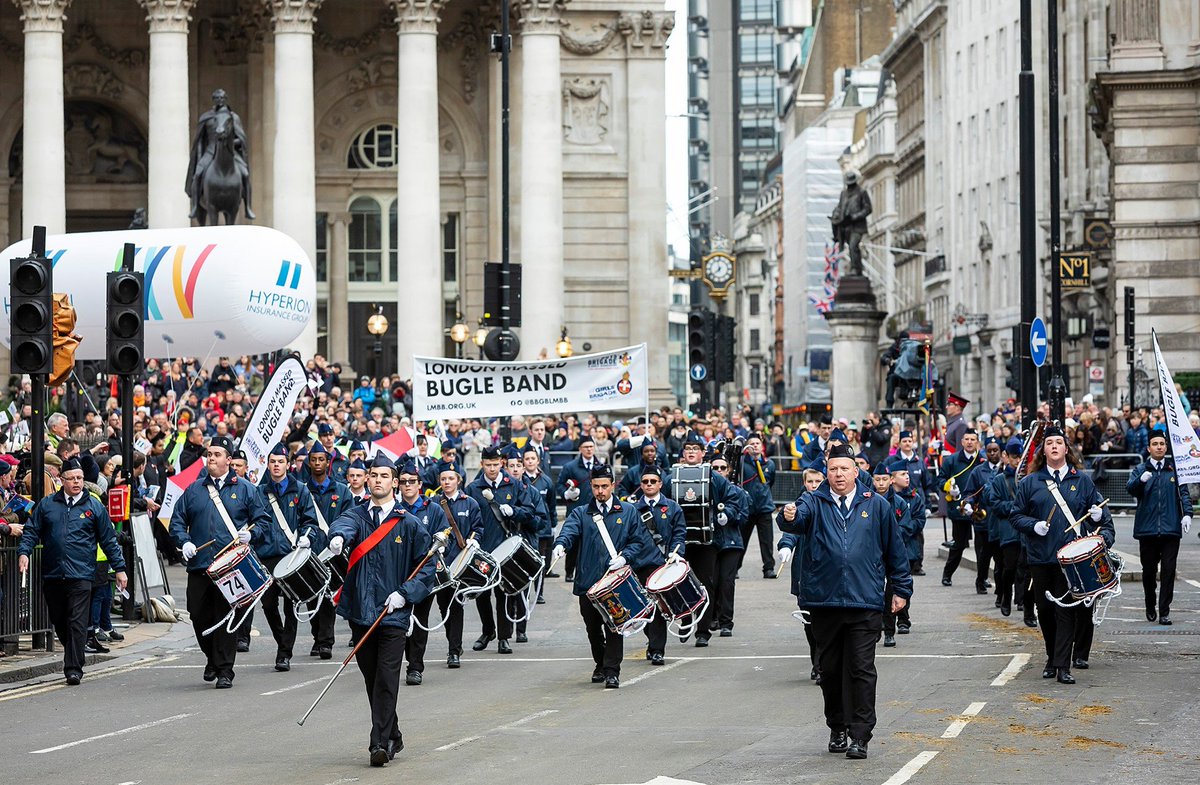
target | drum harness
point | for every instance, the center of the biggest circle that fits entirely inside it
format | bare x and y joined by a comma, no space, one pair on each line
490,496
233,533
1102,601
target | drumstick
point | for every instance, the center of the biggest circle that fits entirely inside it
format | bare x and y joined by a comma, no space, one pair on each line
214,539
1082,518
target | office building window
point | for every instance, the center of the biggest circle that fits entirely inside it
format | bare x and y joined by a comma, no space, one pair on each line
756,46
756,11
754,341
755,377
450,248
756,90
754,305
322,259
366,241
374,148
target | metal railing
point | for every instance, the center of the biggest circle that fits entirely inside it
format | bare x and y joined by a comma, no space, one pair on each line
23,611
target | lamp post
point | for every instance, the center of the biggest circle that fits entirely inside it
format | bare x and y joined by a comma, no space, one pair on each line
459,333
377,325
481,335
563,347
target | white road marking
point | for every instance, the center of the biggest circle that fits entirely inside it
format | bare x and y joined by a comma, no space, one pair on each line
1011,670
912,767
343,781
655,671
294,686
113,670
968,714
515,723
701,658
121,732
1191,582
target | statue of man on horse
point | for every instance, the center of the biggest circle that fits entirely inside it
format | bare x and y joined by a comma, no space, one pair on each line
218,178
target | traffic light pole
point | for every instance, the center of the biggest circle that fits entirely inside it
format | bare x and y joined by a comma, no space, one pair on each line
128,611
1058,388
37,390
1028,217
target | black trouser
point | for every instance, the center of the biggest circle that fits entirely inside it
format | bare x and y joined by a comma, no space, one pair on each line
69,603
656,630
763,523
983,557
703,559
846,639
814,653
1023,585
283,625
726,581
242,633
1007,574
414,649
890,620
505,607
322,624
1159,553
919,562
1067,632
608,647
207,606
379,660
962,538
546,550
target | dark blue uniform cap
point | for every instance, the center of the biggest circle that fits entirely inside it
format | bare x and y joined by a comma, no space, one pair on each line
324,428
318,449
882,470
279,449
602,472
358,464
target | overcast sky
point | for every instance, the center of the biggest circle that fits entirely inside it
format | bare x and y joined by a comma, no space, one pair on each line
676,142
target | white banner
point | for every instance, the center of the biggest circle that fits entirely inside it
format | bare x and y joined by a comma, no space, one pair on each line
1185,447
271,419
444,388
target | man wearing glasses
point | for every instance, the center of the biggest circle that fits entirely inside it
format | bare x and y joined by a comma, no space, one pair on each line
730,549
663,519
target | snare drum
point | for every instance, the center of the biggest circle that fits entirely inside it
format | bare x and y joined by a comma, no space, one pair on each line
622,601
519,564
1088,568
473,571
337,566
240,576
301,575
676,590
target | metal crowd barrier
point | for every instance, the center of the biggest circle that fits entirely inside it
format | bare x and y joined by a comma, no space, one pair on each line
1110,473
23,611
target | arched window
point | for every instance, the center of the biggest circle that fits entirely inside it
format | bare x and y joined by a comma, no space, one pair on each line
374,148
366,241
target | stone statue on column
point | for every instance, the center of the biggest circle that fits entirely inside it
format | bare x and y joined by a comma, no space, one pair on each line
218,178
849,220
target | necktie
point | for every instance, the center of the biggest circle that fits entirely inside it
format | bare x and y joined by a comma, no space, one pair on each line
375,513
843,506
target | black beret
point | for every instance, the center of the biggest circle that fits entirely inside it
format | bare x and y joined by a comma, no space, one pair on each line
602,472
840,450
651,469
223,442
71,464
489,454
1053,430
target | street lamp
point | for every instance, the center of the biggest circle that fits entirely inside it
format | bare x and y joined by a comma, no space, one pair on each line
459,333
377,325
480,336
563,347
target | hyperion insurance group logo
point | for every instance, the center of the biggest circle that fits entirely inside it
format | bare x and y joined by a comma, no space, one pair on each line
185,273
281,300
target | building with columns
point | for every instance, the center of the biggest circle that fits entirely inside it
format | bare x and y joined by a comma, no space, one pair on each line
374,141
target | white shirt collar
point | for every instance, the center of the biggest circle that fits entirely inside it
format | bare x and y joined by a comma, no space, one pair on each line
652,502
74,500
849,497
386,507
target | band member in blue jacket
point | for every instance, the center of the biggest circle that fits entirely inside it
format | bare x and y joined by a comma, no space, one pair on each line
69,525
197,519
882,481
516,470
293,525
1164,515
574,486
663,519
1044,526
630,539
464,511
542,484
331,497
649,454
385,546
788,545
727,539
956,473
758,477
974,506
433,520
999,499
852,549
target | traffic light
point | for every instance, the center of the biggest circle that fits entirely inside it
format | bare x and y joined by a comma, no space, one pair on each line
126,334
700,339
30,314
1013,380
725,347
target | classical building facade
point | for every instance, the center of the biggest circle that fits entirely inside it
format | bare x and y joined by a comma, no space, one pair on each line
374,141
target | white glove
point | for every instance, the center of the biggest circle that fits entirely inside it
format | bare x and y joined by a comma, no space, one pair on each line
472,544
558,553
303,542
243,536
785,556
617,562
1186,523
673,557
189,550
954,491
636,441
967,509
1095,512
395,601
1041,528
722,518
506,510
487,494
335,545
1146,476
571,494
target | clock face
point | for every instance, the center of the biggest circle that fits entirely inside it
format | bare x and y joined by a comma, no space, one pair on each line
719,270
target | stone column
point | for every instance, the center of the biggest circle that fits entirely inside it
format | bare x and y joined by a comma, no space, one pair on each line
855,331
419,217
339,298
294,169
170,119
541,249
646,38
43,187
1138,43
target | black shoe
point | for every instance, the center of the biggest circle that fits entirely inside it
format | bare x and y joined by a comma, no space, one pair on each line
946,581
1049,672
283,664
903,629
701,642
379,756
503,648
980,589
113,635
656,658
569,577
1065,677
73,679
817,681
857,750
482,642
243,647
597,675
770,574
316,650
1151,614
395,745
453,661
919,571
522,638
1005,609
1165,620
1031,623
413,679
999,601
541,600
726,632
553,575
210,672
224,682
325,652
714,625
889,641
1079,664
1020,606
812,674
838,741
612,682
94,646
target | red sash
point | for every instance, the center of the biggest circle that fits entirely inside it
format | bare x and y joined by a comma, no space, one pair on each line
365,547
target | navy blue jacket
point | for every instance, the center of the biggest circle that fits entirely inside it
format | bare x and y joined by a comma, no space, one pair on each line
847,564
431,517
575,470
976,490
958,462
466,515
667,530
761,500
544,487
793,541
69,538
920,478
541,518
296,504
1000,497
813,455
385,568
629,537
331,499
196,520
1034,503
1162,501
729,536
338,464
431,475
907,520
524,519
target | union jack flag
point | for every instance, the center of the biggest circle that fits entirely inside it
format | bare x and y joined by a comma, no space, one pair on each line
823,302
